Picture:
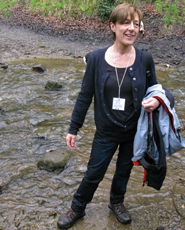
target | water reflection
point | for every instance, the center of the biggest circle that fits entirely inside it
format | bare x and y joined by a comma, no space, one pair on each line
35,121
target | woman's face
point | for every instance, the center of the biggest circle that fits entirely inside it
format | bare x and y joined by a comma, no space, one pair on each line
126,33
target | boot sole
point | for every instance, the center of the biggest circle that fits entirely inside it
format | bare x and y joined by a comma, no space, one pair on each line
123,222
71,224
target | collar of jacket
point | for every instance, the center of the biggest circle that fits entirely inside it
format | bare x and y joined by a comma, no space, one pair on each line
130,69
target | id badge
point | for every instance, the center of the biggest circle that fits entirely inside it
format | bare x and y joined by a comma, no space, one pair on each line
118,104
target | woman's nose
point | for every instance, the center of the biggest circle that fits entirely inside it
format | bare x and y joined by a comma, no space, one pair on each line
131,26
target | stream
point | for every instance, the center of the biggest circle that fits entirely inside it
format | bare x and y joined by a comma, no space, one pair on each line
34,121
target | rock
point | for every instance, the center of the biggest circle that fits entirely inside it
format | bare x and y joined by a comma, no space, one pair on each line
175,62
3,65
53,86
1,110
27,53
39,68
3,186
177,47
53,160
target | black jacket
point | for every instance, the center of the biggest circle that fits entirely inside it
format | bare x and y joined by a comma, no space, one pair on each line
93,86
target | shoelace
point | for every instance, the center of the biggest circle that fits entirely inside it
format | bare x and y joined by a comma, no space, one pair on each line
70,214
120,208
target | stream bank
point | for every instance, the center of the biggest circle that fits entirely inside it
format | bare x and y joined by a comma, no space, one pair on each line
26,35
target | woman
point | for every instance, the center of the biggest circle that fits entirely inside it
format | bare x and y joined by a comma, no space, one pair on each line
116,78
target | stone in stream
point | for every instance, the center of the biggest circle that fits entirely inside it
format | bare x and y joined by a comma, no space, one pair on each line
53,86
39,68
54,160
3,65
1,110
3,186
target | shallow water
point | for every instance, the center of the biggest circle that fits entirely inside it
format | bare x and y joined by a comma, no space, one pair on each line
35,121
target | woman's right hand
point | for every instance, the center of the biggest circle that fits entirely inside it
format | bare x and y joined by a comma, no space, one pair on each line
70,141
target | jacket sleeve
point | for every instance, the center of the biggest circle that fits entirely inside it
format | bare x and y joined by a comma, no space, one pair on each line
152,80
84,98
169,96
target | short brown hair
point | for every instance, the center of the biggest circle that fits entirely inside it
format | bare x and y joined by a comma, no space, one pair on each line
121,12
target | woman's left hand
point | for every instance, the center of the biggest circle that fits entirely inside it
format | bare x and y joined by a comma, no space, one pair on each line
150,104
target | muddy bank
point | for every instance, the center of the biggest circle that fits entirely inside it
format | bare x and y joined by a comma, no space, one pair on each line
18,43
24,35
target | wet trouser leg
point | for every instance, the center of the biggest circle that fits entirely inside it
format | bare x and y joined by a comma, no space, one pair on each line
122,173
101,155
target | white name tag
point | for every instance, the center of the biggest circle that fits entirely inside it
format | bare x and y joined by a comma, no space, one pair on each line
118,104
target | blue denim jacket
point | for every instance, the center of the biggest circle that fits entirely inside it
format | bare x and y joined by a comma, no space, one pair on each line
93,85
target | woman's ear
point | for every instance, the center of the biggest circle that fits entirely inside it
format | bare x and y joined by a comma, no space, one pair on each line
112,27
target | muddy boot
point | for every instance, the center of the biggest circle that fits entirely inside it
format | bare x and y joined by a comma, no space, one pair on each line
69,218
122,214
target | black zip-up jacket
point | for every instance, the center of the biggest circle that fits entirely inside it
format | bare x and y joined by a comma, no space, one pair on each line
93,85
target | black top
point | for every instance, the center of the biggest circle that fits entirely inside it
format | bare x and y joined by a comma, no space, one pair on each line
111,91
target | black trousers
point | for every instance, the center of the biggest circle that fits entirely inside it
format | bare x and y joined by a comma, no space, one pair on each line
101,155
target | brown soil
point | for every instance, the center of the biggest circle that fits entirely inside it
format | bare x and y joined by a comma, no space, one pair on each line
167,46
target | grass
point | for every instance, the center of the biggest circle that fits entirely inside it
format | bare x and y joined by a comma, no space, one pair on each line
86,8
57,8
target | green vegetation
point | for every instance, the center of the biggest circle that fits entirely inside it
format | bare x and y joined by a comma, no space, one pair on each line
173,11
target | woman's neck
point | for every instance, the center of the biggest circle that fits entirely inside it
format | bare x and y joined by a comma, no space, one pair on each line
119,57
121,50
122,55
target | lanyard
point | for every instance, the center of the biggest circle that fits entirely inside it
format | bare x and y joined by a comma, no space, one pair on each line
120,83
